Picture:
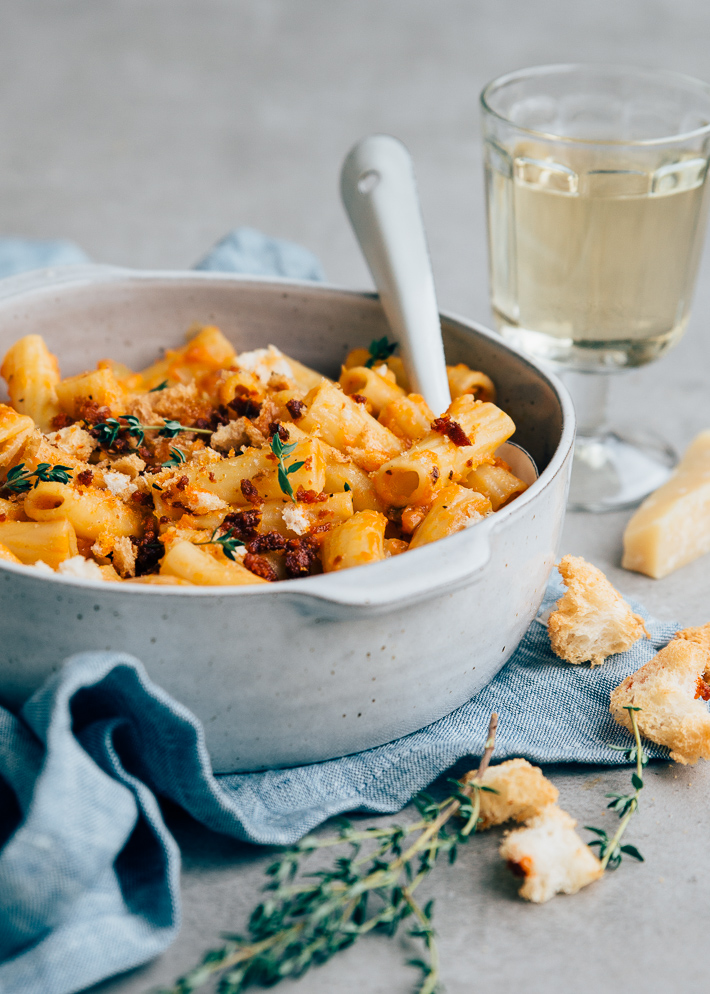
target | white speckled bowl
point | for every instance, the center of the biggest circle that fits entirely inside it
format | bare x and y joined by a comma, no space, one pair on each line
308,669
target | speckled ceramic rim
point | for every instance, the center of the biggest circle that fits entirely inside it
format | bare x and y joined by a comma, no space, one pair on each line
559,69
317,587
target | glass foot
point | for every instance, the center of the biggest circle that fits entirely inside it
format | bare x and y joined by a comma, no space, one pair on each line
610,473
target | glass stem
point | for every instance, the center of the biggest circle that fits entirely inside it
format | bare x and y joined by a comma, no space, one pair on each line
590,392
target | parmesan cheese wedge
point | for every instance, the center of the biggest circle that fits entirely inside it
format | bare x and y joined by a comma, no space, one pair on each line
672,526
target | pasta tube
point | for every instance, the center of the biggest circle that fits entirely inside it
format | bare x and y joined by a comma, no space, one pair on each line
7,556
346,425
260,468
15,430
454,509
99,387
416,476
496,483
188,562
359,357
31,541
206,351
357,541
379,390
32,375
90,512
407,417
463,380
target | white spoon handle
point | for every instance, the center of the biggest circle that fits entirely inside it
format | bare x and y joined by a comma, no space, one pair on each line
380,195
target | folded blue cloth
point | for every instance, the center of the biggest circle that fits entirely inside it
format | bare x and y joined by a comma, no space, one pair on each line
89,873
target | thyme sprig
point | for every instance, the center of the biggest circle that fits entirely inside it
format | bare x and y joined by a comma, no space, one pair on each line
108,431
611,852
306,919
380,351
280,450
19,479
228,542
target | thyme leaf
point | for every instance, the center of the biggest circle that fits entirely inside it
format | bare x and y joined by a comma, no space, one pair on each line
380,350
280,450
228,542
177,458
305,919
160,386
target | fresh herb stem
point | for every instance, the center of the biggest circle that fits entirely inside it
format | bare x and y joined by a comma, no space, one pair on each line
302,924
19,479
109,430
611,852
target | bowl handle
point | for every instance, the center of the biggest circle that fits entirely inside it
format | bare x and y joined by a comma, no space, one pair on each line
406,579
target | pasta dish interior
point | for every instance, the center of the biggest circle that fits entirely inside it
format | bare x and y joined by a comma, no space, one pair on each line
217,468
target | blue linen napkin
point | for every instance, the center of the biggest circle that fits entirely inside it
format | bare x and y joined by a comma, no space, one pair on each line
89,873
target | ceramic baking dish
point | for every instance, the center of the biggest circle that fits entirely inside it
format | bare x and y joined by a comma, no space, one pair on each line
307,669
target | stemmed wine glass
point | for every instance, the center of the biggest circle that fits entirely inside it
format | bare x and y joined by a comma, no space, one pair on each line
596,183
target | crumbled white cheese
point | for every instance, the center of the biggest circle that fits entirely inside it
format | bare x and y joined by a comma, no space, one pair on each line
87,569
383,370
120,484
201,501
264,362
42,567
296,519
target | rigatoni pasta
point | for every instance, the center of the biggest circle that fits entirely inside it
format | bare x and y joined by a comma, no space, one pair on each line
213,467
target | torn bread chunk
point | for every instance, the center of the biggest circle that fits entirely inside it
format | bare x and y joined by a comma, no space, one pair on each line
550,856
521,792
592,620
671,691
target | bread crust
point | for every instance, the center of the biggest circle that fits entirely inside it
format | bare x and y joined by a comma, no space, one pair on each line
592,620
522,791
671,691
550,856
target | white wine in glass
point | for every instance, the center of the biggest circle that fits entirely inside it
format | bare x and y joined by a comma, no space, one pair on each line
597,197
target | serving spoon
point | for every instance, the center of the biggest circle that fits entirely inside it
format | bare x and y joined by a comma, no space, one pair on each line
379,192
380,195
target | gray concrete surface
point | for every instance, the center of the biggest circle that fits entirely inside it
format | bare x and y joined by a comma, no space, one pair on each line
144,129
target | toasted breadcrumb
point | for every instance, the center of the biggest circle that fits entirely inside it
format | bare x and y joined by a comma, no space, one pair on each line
132,465
181,402
671,691
592,620
124,556
75,441
550,856
522,791
235,434
141,408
